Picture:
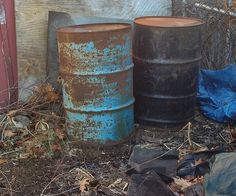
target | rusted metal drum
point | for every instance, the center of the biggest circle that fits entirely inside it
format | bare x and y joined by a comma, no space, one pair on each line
166,54
97,81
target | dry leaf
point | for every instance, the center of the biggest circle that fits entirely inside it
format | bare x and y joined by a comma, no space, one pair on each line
83,184
3,161
42,126
34,145
44,92
83,178
37,151
199,161
56,147
60,134
9,133
52,96
24,155
199,180
182,183
44,88
11,113
48,93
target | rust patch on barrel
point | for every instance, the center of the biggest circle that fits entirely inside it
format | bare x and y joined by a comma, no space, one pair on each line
121,80
81,91
101,39
79,56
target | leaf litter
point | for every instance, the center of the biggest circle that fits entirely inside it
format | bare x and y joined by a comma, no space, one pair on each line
34,131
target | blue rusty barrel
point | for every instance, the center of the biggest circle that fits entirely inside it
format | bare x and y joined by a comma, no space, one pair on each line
97,81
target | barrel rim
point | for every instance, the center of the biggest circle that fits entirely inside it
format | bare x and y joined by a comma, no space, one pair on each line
200,22
126,26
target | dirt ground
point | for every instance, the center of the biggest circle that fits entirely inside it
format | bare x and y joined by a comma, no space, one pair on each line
57,175
32,176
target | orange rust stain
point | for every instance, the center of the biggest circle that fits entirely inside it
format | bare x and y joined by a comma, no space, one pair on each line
81,91
72,60
66,62
120,79
101,39
168,21
95,27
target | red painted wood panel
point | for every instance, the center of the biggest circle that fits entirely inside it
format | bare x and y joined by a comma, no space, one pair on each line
8,61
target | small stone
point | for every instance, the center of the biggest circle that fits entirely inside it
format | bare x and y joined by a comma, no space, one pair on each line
21,121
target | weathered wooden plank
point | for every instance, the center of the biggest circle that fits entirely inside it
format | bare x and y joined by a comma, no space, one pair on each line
32,20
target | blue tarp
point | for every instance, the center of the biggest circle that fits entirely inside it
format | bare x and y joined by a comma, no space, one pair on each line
221,180
217,94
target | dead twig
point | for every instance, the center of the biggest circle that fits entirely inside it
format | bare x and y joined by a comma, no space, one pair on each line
189,134
6,189
200,146
63,192
227,142
188,127
55,178
77,170
167,146
3,130
10,152
9,184
85,172
182,145
158,157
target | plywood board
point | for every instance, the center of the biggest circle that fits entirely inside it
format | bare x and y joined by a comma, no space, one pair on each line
32,22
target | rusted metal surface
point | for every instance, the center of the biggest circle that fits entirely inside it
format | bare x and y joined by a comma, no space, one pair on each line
97,81
166,54
8,65
32,28
61,19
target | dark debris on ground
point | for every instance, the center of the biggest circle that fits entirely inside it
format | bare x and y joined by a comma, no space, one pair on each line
36,157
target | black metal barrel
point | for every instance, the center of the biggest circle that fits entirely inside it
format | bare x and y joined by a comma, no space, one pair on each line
167,55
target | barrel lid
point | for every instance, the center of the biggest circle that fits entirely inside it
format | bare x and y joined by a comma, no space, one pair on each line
93,28
167,21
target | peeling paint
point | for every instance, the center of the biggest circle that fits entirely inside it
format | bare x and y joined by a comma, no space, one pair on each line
97,81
